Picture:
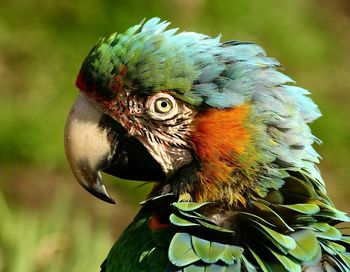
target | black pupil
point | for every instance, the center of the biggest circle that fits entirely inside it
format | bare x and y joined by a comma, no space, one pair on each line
164,104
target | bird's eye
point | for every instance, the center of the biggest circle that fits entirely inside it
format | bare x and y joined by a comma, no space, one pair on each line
162,106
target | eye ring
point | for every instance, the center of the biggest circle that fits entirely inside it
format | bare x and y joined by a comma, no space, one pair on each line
162,106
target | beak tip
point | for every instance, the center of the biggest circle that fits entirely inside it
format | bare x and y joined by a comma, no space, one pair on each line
106,198
101,193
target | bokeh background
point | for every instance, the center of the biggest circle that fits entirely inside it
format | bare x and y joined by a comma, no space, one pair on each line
47,221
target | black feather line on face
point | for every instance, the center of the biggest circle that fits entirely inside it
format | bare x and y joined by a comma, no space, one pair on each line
116,133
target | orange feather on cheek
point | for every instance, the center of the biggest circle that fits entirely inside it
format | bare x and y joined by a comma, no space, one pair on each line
220,138
219,134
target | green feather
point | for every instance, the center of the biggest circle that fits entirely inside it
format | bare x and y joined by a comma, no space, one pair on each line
307,246
285,241
174,219
330,233
304,208
181,252
288,263
264,266
188,206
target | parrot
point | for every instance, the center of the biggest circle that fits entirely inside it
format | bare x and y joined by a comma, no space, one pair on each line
224,137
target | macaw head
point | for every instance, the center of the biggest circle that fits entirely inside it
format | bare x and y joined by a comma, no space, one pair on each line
207,120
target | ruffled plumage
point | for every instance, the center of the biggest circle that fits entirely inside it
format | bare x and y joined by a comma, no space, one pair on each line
287,222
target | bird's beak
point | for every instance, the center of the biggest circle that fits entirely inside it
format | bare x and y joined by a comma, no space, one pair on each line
94,142
87,147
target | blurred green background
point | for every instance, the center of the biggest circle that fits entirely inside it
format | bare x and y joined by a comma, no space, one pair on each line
48,223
